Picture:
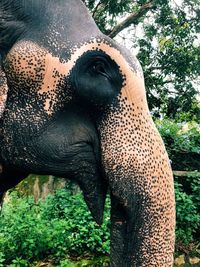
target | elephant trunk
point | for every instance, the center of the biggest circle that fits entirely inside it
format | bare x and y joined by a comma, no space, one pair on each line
142,198
141,184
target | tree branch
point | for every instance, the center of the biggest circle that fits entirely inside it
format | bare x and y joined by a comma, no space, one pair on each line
99,7
167,81
96,8
132,19
187,173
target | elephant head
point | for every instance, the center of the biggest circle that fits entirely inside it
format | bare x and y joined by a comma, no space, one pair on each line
73,104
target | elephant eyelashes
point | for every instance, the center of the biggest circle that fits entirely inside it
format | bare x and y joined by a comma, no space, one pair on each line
96,78
99,67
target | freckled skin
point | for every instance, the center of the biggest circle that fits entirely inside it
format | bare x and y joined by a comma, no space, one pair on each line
144,196
73,104
3,91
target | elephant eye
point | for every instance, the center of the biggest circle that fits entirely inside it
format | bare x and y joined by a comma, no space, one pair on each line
99,67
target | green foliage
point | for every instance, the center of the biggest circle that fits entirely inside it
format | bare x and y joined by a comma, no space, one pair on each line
79,225
30,232
102,261
22,231
170,65
2,259
182,141
187,211
106,12
18,262
183,137
65,263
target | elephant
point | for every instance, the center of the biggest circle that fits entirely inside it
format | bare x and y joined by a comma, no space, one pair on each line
73,105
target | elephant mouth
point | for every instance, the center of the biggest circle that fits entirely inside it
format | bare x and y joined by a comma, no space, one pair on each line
79,162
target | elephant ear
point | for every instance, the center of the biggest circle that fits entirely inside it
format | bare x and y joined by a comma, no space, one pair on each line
3,91
12,24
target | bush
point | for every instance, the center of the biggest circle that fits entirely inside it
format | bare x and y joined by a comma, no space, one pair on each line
187,211
83,234
30,232
62,226
179,137
182,141
22,232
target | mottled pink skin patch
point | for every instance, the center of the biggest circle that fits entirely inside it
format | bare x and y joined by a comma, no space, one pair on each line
3,91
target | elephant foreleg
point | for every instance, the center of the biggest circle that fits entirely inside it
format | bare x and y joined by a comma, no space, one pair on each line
9,178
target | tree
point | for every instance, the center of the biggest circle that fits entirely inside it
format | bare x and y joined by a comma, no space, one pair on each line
169,48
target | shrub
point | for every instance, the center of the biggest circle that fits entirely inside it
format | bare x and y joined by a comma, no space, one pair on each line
187,212
179,137
61,225
22,232
2,259
56,227
182,141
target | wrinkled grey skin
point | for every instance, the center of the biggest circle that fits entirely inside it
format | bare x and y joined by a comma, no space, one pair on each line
73,105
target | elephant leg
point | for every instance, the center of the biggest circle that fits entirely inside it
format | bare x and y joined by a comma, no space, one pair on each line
9,178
